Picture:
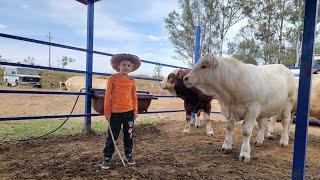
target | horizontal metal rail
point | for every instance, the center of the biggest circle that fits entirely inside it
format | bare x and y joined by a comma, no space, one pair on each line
70,70
160,96
75,48
81,115
172,111
44,117
2,91
40,67
40,92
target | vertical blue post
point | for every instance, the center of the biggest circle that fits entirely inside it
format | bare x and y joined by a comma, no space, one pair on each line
301,131
196,54
90,23
197,44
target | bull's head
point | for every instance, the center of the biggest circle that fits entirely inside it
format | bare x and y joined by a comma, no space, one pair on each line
202,72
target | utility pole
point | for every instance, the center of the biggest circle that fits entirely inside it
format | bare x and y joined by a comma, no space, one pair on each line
49,38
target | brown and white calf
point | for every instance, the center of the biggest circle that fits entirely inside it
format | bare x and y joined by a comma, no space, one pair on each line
194,100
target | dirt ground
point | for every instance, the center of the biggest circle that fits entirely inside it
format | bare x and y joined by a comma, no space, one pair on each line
161,150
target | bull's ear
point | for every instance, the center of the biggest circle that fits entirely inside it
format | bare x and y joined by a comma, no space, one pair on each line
209,61
213,62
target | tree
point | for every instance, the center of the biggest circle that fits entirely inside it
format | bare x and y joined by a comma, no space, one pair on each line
246,51
157,71
244,47
29,60
262,22
215,17
229,12
2,60
65,60
275,25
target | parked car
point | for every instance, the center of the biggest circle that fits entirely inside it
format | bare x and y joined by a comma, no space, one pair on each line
14,76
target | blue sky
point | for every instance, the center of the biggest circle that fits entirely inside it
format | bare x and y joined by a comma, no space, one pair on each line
120,26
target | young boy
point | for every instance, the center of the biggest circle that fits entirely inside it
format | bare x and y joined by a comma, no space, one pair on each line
121,106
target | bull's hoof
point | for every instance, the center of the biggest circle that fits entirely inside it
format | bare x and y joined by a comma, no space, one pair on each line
210,133
258,143
225,151
269,137
244,158
186,131
198,125
283,143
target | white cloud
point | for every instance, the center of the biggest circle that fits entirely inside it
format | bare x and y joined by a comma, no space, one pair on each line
146,10
154,38
2,26
70,13
25,6
107,28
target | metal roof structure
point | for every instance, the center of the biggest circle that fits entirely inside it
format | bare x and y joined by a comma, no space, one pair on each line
86,1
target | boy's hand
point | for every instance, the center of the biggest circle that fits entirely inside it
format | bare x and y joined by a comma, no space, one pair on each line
107,117
135,115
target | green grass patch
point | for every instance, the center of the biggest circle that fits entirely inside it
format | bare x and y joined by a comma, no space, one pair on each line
14,130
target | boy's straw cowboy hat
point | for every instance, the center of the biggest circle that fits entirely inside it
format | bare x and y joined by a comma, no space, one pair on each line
117,58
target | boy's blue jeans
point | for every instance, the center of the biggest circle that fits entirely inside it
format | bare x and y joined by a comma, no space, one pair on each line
116,120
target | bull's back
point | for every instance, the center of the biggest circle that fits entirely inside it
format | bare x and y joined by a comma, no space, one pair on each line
281,88
315,97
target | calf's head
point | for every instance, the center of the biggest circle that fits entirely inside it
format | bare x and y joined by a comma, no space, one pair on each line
174,78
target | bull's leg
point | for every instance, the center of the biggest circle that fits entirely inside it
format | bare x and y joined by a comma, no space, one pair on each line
188,122
263,123
228,141
285,120
247,127
271,125
198,120
192,121
208,124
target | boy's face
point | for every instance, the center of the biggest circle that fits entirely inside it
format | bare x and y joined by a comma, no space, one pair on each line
125,67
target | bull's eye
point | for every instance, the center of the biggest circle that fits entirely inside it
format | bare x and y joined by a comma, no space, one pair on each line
203,67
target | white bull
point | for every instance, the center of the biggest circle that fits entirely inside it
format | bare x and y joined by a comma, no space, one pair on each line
246,92
314,104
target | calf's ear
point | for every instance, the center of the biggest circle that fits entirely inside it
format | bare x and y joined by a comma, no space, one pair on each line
180,75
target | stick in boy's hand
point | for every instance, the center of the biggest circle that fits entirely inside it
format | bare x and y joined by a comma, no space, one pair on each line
107,117
135,115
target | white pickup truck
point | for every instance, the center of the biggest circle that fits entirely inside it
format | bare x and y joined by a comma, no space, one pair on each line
13,76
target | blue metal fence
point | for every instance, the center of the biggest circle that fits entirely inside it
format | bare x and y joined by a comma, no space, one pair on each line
90,23
301,131
9,36
303,95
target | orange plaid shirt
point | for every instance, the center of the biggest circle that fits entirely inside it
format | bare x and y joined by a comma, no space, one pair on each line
120,95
